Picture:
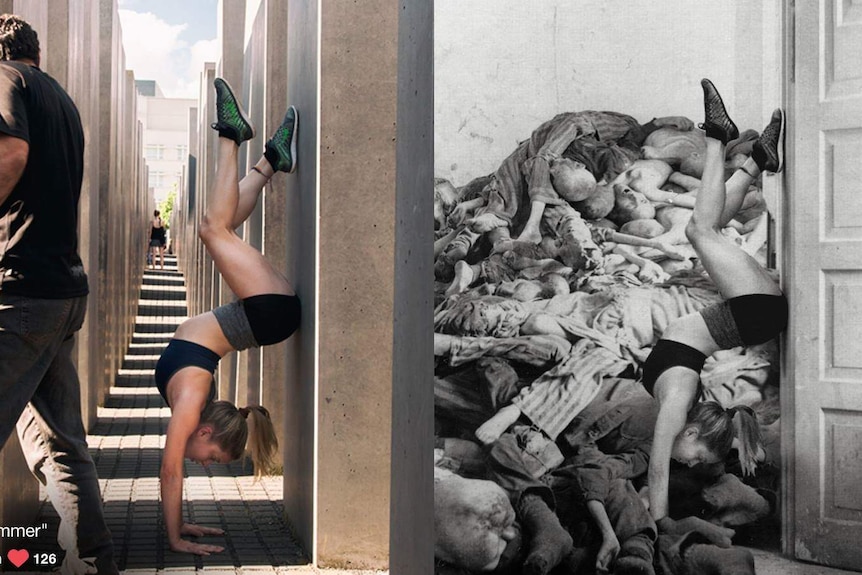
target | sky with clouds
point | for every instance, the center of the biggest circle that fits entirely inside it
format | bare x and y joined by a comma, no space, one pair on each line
168,41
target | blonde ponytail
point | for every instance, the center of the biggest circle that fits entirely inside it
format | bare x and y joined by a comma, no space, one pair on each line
747,432
247,430
262,445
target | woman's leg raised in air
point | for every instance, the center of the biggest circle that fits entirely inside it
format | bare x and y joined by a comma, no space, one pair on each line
243,267
734,272
250,187
280,155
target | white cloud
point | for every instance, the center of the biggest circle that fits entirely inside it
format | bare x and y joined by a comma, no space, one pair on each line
200,52
155,51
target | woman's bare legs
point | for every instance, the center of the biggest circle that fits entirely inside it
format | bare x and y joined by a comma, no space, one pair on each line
250,187
734,272
245,270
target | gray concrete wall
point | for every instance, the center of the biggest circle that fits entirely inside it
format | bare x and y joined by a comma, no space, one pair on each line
83,83
412,507
82,49
278,234
231,20
375,156
358,371
357,209
301,216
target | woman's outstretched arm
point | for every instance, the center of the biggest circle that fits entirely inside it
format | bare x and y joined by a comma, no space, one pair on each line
670,422
185,417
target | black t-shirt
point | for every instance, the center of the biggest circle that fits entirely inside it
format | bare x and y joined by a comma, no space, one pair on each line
39,220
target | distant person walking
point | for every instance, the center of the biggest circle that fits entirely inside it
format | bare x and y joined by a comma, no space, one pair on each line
158,239
43,294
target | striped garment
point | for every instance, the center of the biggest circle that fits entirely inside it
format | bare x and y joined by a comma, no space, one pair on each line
556,397
535,350
530,162
552,138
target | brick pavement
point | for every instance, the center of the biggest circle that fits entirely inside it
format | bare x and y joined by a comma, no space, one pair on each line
126,445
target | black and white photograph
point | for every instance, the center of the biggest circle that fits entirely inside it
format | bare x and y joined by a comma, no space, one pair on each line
646,287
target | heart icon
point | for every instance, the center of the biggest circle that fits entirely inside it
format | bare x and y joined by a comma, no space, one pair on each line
18,556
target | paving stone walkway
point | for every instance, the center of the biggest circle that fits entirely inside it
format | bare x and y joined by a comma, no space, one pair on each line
126,445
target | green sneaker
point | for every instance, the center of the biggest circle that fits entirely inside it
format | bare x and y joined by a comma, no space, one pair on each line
231,121
280,150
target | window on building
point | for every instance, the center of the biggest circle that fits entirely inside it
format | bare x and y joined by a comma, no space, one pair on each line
157,179
154,152
182,152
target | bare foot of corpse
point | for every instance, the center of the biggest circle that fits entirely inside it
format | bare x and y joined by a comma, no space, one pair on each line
486,223
492,429
463,278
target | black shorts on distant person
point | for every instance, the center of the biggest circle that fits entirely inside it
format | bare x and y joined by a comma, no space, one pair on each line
259,320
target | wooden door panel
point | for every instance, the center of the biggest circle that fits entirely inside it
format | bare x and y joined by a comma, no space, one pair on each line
842,176
842,20
824,250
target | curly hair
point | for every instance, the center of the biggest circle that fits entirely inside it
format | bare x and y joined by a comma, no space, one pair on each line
17,39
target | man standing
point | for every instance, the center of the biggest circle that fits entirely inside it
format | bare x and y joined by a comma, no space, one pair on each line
43,293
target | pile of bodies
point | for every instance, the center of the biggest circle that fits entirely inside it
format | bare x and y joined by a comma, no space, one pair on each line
555,276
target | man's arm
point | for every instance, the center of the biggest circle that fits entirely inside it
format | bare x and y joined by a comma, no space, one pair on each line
13,159
610,546
595,470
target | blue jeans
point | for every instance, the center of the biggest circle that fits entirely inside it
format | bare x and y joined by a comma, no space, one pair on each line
39,389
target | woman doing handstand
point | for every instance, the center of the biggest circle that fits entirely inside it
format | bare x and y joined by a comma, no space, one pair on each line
754,311
266,312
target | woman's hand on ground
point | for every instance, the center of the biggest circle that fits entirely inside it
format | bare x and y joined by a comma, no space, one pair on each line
193,530
183,546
